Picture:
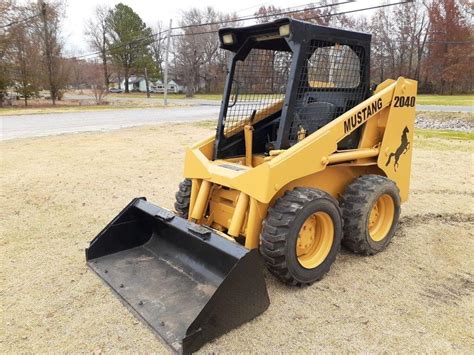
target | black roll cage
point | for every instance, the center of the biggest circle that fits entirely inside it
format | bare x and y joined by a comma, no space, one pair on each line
299,40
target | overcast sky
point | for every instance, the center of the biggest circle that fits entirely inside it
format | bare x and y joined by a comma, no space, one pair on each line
151,11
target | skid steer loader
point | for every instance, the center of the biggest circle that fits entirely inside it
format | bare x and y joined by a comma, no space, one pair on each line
306,156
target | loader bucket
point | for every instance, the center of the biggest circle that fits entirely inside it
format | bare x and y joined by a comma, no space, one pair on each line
186,282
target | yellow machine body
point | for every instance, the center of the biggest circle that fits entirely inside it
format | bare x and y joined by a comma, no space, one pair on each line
232,195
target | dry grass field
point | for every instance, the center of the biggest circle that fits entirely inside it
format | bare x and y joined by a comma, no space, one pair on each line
59,192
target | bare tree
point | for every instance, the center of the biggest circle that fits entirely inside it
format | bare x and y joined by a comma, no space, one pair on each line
96,30
48,32
7,11
158,46
188,51
198,62
267,13
97,86
24,55
421,27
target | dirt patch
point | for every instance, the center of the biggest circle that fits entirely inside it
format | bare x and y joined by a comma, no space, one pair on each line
451,290
59,192
447,218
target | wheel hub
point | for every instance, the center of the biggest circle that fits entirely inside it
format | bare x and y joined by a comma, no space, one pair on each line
381,217
374,216
315,240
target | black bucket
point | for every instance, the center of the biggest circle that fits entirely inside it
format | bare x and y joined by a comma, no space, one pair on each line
187,283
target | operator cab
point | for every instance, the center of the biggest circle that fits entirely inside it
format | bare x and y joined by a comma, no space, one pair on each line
288,78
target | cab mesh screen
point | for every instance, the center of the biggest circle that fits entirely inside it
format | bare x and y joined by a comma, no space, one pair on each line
329,85
258,86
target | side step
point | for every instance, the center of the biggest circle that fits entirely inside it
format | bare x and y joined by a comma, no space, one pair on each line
183,280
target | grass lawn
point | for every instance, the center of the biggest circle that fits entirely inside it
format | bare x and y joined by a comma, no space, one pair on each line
170,96
156,101
216,97
451,100
443,140
59,109
132,95
42,110
434,133
20,111
448,100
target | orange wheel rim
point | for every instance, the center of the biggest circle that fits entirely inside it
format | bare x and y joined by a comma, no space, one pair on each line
315,240
381,217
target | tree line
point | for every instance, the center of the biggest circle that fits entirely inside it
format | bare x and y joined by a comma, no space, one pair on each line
428,40
31,49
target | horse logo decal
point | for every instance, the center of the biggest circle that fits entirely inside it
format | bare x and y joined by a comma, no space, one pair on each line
402,149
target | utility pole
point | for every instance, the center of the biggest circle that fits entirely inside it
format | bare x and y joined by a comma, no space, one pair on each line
48,52
165,79
146,83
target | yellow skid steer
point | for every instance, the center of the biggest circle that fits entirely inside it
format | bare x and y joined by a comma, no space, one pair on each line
306,157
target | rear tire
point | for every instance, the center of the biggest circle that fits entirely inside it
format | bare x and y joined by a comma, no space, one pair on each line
183,196
301,236
371,210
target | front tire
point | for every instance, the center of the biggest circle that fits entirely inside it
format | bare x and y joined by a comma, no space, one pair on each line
301,236
183,198
371,210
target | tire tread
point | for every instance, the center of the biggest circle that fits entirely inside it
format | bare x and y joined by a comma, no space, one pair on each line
183,197
354,203
276,229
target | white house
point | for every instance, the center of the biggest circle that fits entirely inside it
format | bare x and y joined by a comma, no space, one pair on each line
138,83
173,87
135,83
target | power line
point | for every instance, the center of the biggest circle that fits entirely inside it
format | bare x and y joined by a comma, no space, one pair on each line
209,24
254,6
271,15
257,17
134,41
427,42
312,17
253,17
269,3
364,9
21,20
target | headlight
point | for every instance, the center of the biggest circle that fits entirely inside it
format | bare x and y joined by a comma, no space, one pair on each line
285,30
228,38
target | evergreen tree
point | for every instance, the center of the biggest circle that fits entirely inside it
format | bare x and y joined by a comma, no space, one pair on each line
129,39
